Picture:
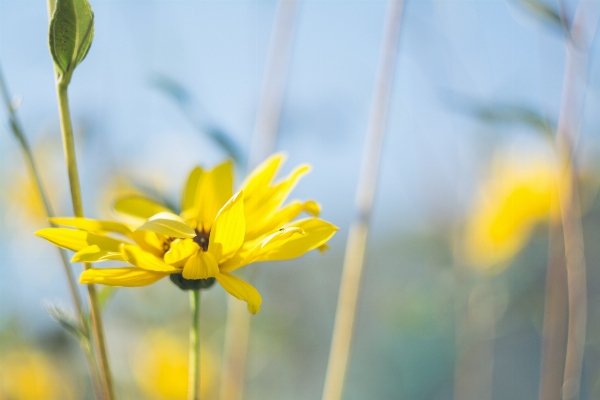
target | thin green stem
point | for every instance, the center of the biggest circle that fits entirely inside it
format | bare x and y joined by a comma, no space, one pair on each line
72,283
69,149
194,369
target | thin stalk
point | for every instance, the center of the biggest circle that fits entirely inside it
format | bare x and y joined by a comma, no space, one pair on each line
72,283
475,334
69,150
237,330
194,367
554,332
365,193
574,85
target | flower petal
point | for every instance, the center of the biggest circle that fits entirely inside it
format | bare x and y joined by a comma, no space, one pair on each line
189,191
317,233
139,207
263,205
95,254
227,234
92,225
260,178
214,189
77,240
281,217
121,276
150,241
180,251
201,266
287,243
168,224
138,257
242,290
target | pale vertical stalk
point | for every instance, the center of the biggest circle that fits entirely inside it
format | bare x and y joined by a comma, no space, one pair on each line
194,366
365,193
72,283
475,334
573,95
69,150
237,331
554,331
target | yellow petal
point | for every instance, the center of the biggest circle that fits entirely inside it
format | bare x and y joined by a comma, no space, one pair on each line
95,254
138,257
214,189
180,251
139,207
189,191
227,234
168,224
151,242
260,178
77,240
323,248
290,242
241,290
92,225
201,266
317,233
121,276
263,205
281,217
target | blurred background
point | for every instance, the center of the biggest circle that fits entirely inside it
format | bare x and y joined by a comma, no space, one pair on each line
452,301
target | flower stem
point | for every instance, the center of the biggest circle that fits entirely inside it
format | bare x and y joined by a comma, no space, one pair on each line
357,238
33,171
194,368
69,149
581,34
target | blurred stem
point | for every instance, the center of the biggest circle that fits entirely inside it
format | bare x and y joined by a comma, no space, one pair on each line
475,333
194,367
69,150
574,85
554,332
365,193
237,331
33,171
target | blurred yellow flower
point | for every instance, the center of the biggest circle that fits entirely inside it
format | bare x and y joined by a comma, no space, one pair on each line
160,368
521,191
216,233
27,374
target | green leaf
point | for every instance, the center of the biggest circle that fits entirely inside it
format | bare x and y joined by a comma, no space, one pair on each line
544,13
513,114
71,33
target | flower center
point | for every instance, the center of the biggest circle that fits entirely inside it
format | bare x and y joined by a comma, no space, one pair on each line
201,238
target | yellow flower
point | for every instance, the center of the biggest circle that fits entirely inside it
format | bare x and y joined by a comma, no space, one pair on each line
521,192
27,374
216,233
160,368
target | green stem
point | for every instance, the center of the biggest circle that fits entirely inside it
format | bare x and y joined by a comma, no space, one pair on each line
194,370
69,149
33,171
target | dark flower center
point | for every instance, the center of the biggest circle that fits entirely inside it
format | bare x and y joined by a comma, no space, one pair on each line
201,238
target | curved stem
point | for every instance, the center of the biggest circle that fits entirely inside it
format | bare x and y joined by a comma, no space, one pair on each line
69,149
194,368
33,171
